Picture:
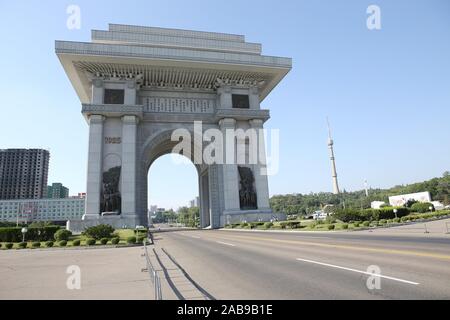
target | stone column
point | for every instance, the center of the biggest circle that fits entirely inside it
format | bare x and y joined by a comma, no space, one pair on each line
253,96
128,172
261,181
230,171
95,167
225,98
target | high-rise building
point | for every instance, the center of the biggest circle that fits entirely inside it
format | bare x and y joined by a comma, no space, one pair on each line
333,161
57,191
23,173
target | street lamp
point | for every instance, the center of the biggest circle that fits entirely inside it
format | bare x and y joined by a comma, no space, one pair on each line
395,212
431,209
24,231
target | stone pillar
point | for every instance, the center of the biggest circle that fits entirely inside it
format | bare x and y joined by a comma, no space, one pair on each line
253,97
128,172
225,99
230,171
261,181
130,92
95,167
97,91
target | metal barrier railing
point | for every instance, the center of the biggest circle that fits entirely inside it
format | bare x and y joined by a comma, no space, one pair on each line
154,278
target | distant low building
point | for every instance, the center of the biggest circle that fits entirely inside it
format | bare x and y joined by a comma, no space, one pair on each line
30,210
400,200
377,204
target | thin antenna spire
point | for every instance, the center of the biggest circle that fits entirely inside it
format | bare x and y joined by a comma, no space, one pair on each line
329,128
333,163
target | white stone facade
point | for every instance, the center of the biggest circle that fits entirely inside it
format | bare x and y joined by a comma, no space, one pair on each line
168,79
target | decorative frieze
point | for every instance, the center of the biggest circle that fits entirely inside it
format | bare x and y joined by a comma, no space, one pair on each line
178,105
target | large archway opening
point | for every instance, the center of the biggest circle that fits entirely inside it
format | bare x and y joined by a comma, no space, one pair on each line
173,191
159,145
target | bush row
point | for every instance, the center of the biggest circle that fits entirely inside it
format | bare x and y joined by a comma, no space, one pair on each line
14,234
347,215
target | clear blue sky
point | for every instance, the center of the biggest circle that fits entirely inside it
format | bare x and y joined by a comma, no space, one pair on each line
386,92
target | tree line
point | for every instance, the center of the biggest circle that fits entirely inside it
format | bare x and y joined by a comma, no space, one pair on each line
304,204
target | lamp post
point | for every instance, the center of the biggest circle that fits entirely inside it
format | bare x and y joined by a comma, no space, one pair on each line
24,231
395,212
431,209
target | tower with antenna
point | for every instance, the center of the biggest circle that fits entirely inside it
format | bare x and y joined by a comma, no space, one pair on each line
333,162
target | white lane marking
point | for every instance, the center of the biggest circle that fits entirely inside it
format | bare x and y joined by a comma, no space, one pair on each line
190,236
226,244
358,271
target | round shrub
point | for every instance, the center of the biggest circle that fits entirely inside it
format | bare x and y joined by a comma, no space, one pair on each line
366,223
404,219
90,242
62,234
421,207
331,227
0,245
104,241
76,243
356,224
396,220
140,239
382,221
22,245
345,226
9,245
62,243
131,240
36,244
49,244
99,232
115,240
268,225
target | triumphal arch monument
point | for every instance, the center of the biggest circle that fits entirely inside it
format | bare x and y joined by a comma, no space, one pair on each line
137,85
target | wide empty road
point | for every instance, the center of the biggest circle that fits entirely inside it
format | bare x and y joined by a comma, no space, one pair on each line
283,265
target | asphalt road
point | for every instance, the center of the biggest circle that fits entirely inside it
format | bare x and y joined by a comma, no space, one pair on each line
282,265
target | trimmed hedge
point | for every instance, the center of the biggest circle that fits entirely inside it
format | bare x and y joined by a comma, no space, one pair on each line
22,245
9,245
36,244
76,243
14,234
140,239
99,232
331,227
115,240
131,240
62,243
268,225
90,242
422,207
104,241
49,244
347,215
